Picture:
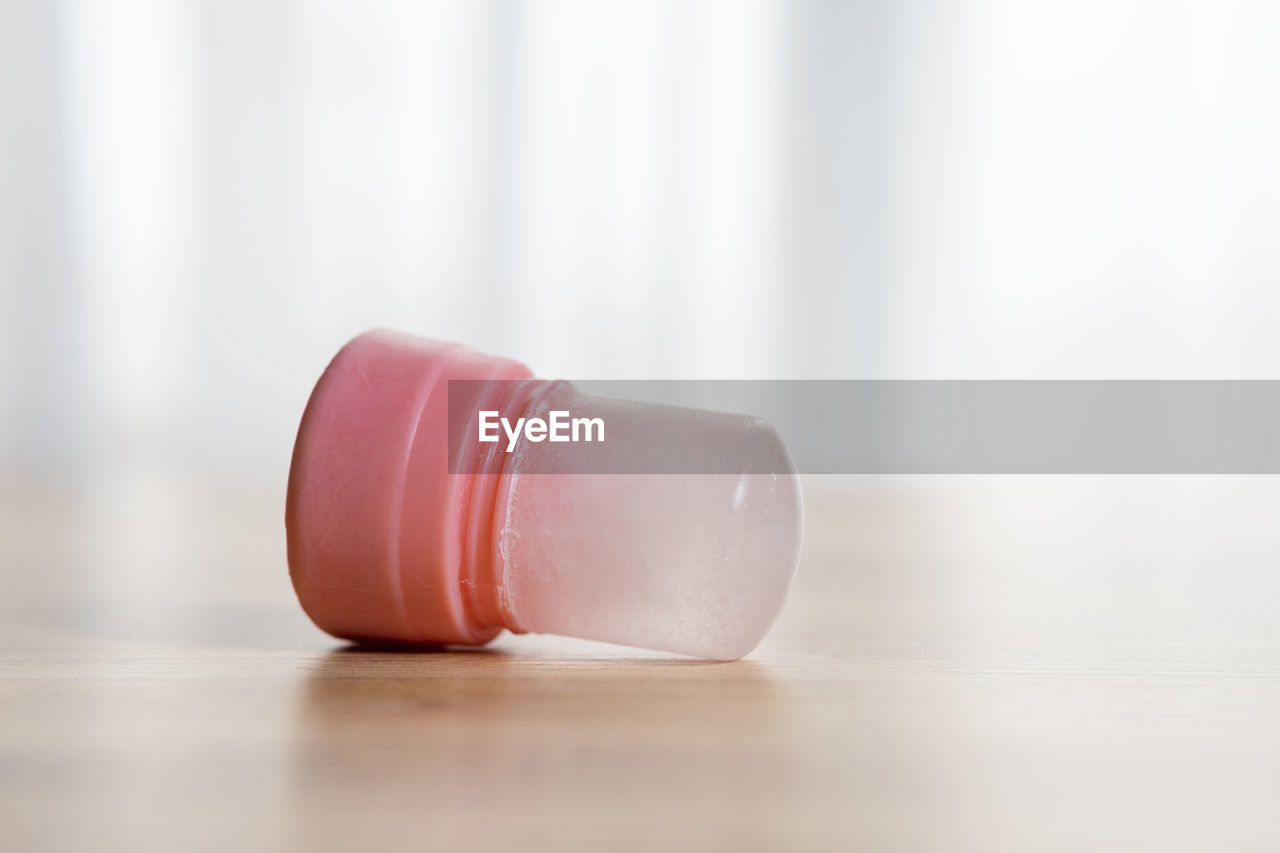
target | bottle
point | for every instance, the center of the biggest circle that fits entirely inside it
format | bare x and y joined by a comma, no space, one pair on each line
416,514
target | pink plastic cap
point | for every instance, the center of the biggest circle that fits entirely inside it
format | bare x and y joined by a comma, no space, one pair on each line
375,522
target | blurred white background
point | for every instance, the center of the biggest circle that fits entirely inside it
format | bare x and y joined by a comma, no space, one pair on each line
201,201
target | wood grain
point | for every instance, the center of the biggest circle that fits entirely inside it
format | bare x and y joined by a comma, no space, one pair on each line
1005,664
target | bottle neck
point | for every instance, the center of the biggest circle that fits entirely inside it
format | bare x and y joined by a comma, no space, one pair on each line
482,480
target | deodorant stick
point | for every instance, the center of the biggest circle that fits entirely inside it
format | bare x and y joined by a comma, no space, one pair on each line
438,495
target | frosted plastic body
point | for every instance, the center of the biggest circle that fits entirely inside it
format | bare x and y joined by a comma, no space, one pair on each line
398,532
692,563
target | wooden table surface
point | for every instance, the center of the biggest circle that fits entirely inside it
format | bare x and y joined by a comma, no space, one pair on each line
965,664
